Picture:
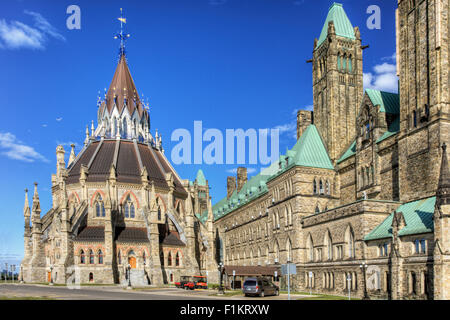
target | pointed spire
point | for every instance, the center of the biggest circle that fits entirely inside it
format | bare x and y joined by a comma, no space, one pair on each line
72,154
26,207
92,129
86,141
36,203
443,190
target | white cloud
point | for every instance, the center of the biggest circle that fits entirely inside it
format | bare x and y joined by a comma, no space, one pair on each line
249,170
45,125
383,78
16,150
59,119
17,35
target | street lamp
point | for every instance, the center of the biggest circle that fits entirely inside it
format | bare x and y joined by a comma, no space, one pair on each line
21,274
51,275
363,267
220,267
129,279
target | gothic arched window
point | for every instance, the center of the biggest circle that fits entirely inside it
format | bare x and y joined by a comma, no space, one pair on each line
99,207
321,187
100,257
124,128
350,64
314,186
129,208
82,257
177,259
169,259
91,257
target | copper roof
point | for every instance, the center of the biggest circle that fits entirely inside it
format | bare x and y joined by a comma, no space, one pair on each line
127,165
123,91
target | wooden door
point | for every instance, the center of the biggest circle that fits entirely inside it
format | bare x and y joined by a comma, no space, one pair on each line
49,276
132,262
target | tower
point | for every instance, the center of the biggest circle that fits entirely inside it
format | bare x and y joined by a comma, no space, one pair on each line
422,51
337,80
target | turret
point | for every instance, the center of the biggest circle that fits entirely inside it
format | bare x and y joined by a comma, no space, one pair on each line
72,154
60,163
27,214
36,211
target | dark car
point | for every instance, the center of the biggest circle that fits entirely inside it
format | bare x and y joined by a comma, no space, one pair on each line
259,287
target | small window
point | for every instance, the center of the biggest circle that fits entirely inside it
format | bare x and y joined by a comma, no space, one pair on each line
314,187
422,246
414,119
417,246
91,257
100,257
169,259
82,257
177,259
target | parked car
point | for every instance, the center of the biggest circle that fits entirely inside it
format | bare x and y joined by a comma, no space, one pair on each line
259,287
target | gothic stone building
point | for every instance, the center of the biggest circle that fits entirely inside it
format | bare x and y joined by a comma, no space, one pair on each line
119,204
367,182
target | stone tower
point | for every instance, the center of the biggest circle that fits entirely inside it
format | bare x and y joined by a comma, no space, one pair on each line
422,51
337,81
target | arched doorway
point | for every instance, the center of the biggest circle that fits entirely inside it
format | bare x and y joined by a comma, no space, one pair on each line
132,259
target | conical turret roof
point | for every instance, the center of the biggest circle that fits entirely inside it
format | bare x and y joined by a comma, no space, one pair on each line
122,90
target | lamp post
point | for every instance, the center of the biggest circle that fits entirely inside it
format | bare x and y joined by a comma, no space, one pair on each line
220,267
129,278
21,274
51,275
363,267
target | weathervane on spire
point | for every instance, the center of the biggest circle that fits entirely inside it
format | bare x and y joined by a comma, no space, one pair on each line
122,36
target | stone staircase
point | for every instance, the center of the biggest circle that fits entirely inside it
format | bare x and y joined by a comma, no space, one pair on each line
138,279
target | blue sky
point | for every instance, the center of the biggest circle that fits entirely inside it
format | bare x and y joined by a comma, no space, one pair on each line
229,63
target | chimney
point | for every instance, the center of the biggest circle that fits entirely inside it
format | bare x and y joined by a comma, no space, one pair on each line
231,186
241,177
304,119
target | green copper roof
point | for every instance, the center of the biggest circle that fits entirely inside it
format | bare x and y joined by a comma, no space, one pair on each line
350,152
388,102
418,218
201,181
393,129
203,216
310,150
341,22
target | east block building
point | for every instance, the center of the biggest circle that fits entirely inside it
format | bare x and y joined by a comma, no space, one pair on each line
119,204
368,180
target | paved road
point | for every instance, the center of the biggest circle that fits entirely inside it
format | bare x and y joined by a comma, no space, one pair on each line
116,293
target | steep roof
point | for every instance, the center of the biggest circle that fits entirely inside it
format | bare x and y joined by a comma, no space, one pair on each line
122,90
342,24
201,181
350,152
309,151
388,102
418,219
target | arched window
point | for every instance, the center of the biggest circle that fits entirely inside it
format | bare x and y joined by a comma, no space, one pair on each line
317,209
177,259
124,128
99,206
91,257
169,259
350,63
129,208
100,257
350,239
344,63
119,258
321,187
159,208
314,186
82,257
339,62
277,252
116,129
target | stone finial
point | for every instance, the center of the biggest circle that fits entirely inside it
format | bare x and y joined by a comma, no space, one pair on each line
36,203
92,129
26,207
72,154
86,141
